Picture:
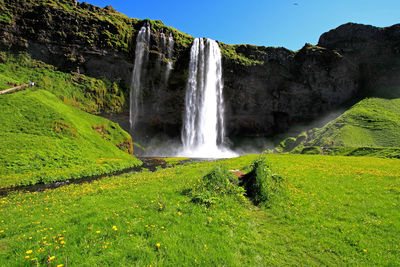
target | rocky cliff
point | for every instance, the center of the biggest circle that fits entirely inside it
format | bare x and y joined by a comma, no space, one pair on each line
266,89
376,52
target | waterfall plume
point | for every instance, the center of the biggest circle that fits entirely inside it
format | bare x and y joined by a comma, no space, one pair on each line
141,59
203,132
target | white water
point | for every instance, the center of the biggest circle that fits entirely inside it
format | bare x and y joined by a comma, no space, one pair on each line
141,58
203,134
167,48
170,49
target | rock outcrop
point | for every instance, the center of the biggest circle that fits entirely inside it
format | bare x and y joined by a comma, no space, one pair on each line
376,52
266,89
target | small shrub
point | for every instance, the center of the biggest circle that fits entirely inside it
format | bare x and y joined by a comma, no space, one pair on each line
214,185
261,185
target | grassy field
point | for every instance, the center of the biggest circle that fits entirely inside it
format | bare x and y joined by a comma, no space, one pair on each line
338,211
42,140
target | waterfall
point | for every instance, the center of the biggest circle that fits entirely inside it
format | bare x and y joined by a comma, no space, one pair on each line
203,133
170,49
141,58
167,47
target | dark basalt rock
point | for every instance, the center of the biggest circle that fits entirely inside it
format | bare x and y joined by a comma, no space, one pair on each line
266,90
376,52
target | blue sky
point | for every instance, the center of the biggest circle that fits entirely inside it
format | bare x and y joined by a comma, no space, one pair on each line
260,22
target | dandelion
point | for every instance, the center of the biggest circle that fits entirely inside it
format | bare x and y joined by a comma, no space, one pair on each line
115,228
62,242
29,251
97,232
51,258
365,251
27,257
158,245
179,213
60,265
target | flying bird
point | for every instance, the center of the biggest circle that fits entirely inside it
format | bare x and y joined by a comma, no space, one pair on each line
296,4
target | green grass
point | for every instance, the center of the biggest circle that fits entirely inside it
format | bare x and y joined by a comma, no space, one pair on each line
372,122
42,139
379,152
339,211
89,94
230,52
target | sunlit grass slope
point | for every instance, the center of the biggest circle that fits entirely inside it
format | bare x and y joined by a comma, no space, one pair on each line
42,139
338,211
372,122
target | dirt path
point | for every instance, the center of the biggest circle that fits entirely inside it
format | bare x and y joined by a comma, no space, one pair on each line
14,89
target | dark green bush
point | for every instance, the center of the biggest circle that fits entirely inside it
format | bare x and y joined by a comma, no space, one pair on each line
214,185
261,185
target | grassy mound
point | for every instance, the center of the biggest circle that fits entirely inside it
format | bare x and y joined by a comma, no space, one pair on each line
86,93
261,184
42,139
214,185
372,122
340,211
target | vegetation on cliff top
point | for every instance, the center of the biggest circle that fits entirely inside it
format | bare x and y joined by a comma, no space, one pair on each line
338,211
372,122
92,26
42,140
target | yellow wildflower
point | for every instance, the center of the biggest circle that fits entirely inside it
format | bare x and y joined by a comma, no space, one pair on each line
29,252
115,228
26,257
51,258
158,245
97,232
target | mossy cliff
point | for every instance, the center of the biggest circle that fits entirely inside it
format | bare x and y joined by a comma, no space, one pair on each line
266,89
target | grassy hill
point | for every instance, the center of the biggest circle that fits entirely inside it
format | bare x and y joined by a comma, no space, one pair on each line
42,139
372,122
86,93
339,211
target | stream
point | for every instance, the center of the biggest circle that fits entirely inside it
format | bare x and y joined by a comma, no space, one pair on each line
149,163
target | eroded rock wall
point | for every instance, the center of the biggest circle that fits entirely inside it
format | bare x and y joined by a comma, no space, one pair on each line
266,89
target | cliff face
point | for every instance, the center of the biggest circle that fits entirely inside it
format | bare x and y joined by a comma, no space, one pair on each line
376,51
284,87
266,89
